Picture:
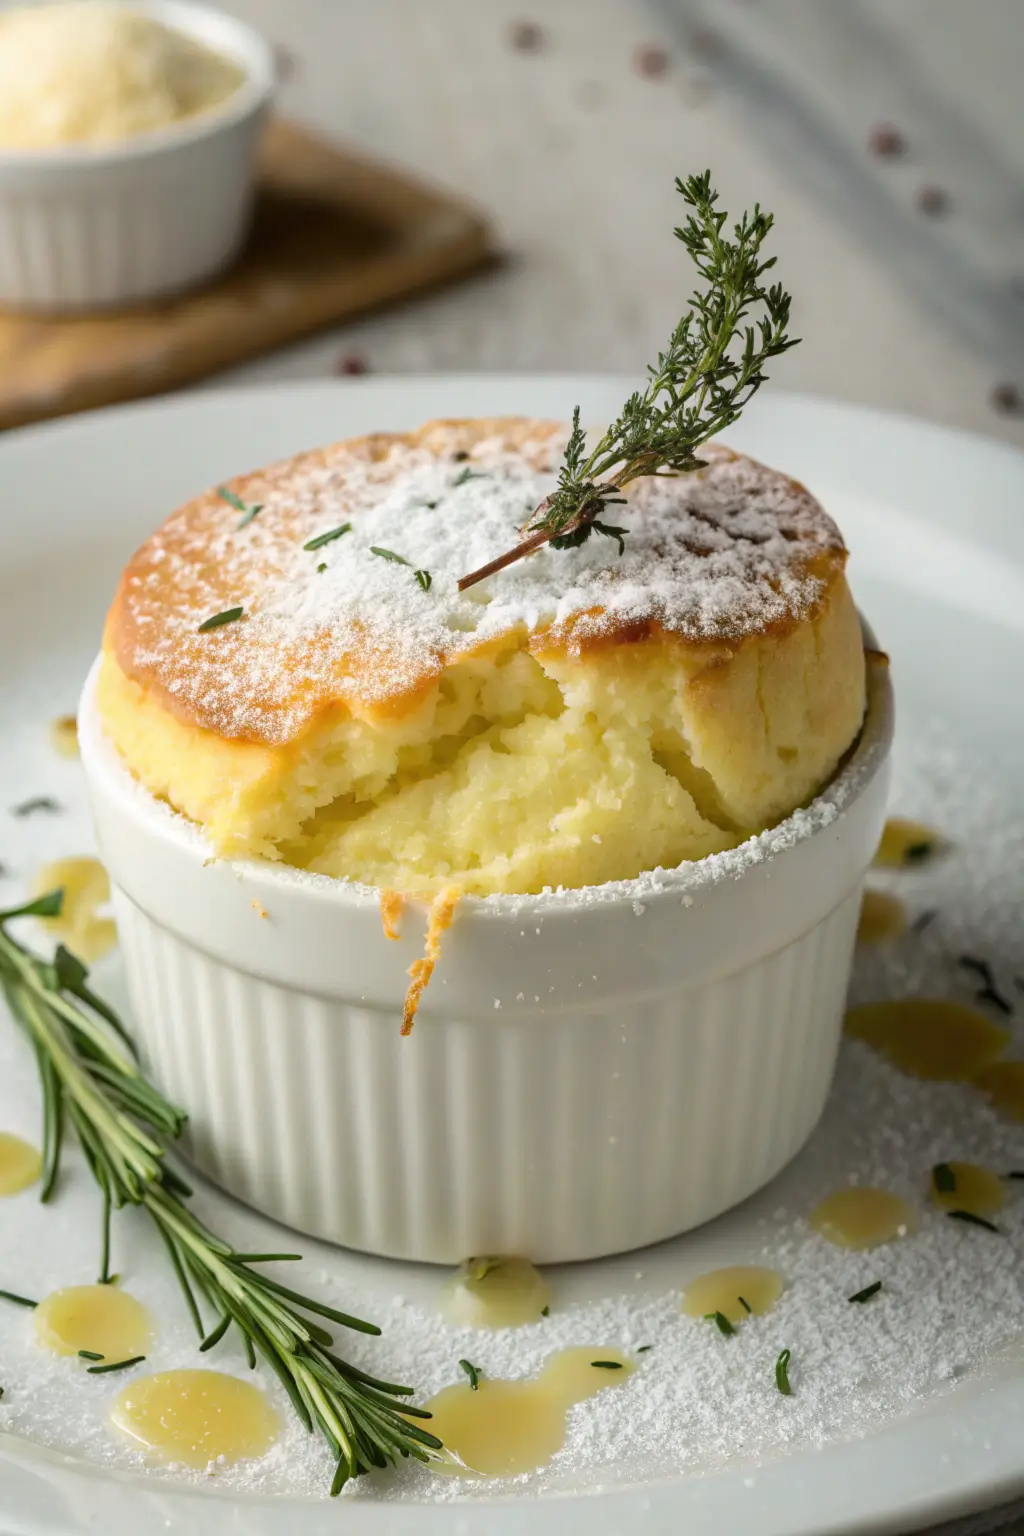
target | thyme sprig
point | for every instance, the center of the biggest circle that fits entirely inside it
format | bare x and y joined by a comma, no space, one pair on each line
713,364
91,1082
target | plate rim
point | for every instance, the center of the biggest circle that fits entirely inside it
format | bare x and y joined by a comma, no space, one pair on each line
873,1485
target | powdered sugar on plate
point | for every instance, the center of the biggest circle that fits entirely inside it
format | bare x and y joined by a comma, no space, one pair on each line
347,571
950,1308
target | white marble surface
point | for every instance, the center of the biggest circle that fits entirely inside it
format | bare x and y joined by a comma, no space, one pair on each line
573,153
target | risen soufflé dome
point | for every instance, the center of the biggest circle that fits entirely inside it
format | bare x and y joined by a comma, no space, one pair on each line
583,716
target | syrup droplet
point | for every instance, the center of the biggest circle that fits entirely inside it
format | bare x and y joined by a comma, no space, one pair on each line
64,735
1003,1082
975,1189
20,1164
863,1218
86,887
99,1318
196,1416
882,917
721,1289
500,1291
929,1037
907,843
504,1428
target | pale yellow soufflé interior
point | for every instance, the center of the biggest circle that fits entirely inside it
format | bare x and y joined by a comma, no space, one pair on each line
581,717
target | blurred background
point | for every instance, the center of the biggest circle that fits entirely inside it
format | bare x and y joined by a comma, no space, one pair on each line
888,139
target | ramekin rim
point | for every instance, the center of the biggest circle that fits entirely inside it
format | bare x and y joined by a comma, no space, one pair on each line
253,55
861,765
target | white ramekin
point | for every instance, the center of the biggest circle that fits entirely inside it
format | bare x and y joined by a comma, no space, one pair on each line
90,227
591,1071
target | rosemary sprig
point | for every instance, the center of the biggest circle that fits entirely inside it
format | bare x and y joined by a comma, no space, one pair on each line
91,1082
698,386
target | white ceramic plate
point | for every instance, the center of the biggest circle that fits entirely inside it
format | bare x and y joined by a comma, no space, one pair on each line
934,521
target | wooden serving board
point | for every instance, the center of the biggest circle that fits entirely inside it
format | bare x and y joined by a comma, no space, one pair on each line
333,235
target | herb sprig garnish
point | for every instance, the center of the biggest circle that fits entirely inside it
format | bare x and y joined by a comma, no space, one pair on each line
713,364
90,1081
249,510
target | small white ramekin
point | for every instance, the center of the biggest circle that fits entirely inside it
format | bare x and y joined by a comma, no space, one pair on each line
96,226
590,1071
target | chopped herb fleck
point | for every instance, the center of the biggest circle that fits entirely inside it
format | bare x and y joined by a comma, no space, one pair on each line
217,619
425,580
460,456
467,474
745,1304
1,1391
37,803
89,1354
388,554
922,921
782,1373
944,1179
115,1365
1016,1173
980,968
321,567
720,1321
916,853
248,510
328,537
642,1349
19,1301
546,1311
607,1365
996,998
974,1221
474,1372
867,1293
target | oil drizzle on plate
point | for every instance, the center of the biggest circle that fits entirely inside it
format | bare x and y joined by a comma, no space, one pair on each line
863,1218
500,1291
929,1038
1003,1082
20,1164
86,887
968,1187
726,1290
882,918
195,1417
100,1318
906,844
503,1428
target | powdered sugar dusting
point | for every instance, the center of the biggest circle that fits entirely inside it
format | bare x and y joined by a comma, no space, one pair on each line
715,556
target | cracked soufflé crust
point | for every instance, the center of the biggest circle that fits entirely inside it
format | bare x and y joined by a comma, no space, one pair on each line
581,717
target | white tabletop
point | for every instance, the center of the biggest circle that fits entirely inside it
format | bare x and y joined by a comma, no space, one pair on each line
573,151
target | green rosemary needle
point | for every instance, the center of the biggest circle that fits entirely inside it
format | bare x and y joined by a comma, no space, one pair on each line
91,1082
329,537
782,1373
249,510
713,364
217,619
474,1372
943,1179
114,1365
721,1322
